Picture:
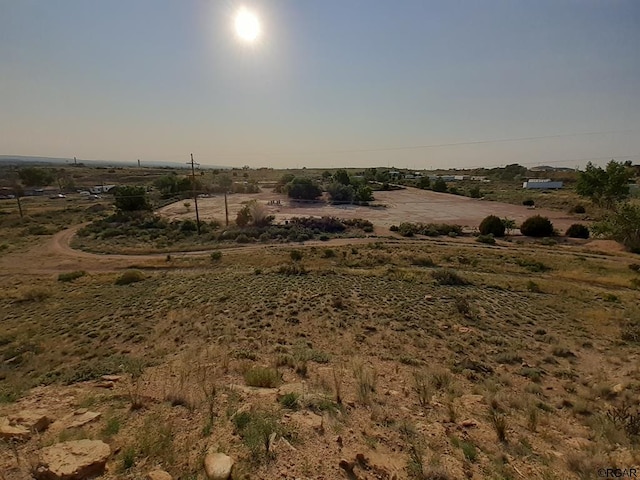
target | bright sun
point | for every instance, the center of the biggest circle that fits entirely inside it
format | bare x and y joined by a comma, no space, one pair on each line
247,25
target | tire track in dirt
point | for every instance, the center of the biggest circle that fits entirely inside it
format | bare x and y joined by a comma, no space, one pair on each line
55,255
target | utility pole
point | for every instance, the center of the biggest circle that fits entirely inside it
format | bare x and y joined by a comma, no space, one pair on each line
226,209
193,189
19,204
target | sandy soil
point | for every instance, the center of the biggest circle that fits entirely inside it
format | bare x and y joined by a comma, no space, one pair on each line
410,205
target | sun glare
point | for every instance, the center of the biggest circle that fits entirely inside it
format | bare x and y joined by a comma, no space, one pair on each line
247,25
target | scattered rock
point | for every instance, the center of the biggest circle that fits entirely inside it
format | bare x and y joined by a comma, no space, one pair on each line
469,423
13,432
272,442
618,388
158,475
82,417
74,460
32,420
309,419
105,384
347,467
111,378
218,466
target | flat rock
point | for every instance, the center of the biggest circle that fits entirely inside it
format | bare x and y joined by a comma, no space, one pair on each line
111,378
158,475
13,432
218,466
309,419
296,388
74,460
617,388
32,420
81,417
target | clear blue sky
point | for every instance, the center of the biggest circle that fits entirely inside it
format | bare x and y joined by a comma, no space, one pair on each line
330,83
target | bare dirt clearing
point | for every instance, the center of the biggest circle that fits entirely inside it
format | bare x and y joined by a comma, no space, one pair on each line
409,205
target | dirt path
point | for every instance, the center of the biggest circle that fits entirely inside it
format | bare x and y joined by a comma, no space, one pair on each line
55,255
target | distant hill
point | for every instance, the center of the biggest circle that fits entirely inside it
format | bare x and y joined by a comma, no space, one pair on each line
23,159
547,168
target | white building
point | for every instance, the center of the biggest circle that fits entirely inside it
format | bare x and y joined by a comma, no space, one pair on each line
541,184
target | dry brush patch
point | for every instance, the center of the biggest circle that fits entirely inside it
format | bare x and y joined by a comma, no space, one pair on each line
366,347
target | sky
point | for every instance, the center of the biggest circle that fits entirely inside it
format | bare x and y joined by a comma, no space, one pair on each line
334,83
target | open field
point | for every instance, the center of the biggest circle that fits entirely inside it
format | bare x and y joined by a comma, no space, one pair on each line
377,357
370,354
410,205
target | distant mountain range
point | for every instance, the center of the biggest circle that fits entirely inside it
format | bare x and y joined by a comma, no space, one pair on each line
22,159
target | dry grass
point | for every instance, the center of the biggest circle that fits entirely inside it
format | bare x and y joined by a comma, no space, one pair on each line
492,360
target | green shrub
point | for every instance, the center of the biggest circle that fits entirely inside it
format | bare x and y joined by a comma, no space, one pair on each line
577,230
262,377
537,226
296,255
446,276
290,401
215,256
328,253
70,276
488,239
130,276
242,238
492,225
528,203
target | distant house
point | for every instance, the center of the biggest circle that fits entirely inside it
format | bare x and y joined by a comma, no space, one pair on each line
541,184
101,189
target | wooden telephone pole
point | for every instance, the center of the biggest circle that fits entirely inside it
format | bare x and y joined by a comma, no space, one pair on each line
193,189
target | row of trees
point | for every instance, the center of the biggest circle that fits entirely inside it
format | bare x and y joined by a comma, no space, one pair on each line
341,187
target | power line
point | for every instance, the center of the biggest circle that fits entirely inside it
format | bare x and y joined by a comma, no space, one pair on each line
427,146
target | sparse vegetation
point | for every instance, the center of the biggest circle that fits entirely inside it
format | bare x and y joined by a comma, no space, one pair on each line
130,276
71,276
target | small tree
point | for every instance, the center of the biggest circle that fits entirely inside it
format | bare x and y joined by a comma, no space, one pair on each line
131,199
474,192
622,226
340,193
302,188
424,183
364,194
492,225
439,185
244,216
341,176
537,226
509,225
605,187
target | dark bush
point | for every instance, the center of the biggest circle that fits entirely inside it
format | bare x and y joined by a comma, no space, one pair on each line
492,225
537,226
242,238
577,230
448,277
528,203
578,209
